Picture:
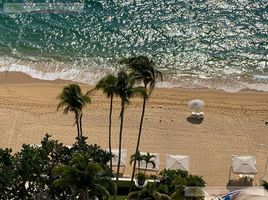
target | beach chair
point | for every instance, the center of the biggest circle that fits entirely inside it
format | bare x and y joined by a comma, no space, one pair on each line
123,161
200,115
177,162
35,145
197,115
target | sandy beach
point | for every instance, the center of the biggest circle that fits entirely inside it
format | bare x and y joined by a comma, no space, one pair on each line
234,123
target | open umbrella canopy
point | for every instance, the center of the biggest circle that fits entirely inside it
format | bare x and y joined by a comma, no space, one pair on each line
253,193
196,105
115,153
177,162
244,164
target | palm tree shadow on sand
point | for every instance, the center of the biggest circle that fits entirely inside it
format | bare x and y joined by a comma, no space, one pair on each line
195,120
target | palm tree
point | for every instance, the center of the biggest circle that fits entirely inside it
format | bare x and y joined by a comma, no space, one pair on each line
108,86
74,101
149,192
125,90
144,71
148,158
138,157
85,178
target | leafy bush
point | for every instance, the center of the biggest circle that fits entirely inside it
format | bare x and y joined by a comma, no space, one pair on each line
28,174
265,184
167,177
173,183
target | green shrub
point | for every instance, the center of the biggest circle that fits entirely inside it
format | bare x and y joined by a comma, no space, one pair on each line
28,174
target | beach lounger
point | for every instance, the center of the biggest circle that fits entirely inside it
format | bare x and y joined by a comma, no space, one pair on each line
35,145
197,115
194,114
200,114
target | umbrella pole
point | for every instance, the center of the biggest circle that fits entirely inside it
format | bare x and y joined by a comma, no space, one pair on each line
230,171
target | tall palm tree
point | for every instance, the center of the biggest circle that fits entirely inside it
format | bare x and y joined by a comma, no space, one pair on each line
144,71
85,178
125,90
74,101
108,86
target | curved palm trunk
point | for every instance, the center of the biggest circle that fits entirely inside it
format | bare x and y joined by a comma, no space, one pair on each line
78,118
80,124
146,166
120,143
138,143
110,130
77,125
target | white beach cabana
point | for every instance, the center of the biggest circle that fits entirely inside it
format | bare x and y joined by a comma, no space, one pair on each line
177,162
244,166
156,159
123,161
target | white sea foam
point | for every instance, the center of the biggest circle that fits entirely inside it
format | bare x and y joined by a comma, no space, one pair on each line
84,76
261,77
92,75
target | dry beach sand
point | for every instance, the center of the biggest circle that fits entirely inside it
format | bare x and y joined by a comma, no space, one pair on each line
234,123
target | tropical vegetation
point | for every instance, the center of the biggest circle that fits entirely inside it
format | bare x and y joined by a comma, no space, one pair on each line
171,185
30,173
84,177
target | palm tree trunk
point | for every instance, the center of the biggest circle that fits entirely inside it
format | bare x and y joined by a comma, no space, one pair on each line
110,130
85,194
77,125
138,142
146,166
120,143
80,123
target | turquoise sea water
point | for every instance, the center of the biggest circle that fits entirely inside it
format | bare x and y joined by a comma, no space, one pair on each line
196,43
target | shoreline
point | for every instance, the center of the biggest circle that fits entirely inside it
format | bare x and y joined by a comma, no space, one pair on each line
13,78
234,123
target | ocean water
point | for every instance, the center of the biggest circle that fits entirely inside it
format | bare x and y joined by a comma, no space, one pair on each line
196,43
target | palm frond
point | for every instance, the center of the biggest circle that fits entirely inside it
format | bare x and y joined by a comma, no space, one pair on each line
61,104
144,70
107,84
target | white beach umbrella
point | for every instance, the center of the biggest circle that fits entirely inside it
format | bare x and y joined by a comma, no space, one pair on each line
196,105
253,193
177,162
123,160
244,165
